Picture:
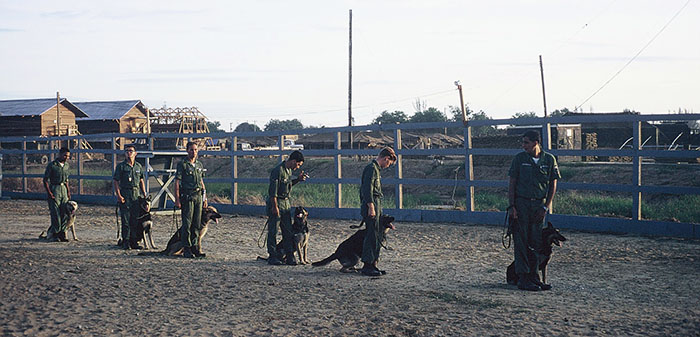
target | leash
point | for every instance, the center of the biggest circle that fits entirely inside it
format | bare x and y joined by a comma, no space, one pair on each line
174,223
507,233
264,242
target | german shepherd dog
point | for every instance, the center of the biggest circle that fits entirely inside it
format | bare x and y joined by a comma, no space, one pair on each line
142,223
550,237
175,247
349,251
68,209
300,238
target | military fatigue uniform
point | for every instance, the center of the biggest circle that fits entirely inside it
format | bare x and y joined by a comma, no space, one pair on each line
57,176
190,176
532,184
371,191
280,187
129,179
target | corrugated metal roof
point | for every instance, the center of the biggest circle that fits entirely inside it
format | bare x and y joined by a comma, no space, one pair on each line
34,107
108,110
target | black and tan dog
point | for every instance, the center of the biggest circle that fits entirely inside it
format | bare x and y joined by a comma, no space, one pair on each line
142,224
300,236
175,246
68,209
349,251
550,237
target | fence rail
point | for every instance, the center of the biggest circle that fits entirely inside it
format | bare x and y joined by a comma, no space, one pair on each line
600,224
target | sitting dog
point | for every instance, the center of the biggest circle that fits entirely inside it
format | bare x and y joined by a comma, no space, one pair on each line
300,238
68,209
349,251
142,223
550,237
175,246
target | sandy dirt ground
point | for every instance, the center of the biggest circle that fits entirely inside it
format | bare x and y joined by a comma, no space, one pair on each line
443,280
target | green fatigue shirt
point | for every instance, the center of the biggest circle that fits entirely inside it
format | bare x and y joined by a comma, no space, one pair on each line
56,174
371,187
280,182
533,179
190,176
129,177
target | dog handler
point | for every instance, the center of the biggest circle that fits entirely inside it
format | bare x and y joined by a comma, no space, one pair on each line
371,210
533,183
56,185
279,209
128,182
189,192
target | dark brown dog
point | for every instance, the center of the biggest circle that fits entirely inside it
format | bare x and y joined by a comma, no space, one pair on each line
175,246
69,209
349,251
300,236
550,237
142,224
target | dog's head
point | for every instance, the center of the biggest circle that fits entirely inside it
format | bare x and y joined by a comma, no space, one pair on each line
70,207
300,214
551,235
210,213
385,221
145,203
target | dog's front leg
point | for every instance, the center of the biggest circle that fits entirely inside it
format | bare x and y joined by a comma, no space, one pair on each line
544,274
145,242
72,230
150,238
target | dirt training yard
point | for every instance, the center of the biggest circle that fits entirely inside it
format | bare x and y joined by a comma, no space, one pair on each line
443,280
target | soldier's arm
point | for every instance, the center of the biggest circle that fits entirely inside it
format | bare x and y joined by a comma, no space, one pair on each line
67,189
511,198
550,194
177,193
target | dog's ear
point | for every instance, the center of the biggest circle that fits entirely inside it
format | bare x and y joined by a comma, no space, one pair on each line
549,225
148,197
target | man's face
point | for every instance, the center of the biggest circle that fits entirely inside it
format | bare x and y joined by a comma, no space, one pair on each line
295,164
64,157
130,153
385,162
529,146
192,151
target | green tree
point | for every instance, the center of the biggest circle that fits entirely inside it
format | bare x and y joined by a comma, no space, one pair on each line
486,130
283,125
429,115
215,126
247,127
530,114
457,113
561,112
386,117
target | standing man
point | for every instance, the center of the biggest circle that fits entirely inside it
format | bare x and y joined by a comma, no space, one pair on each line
58,193
533,183
190,197
128,182
278,208
371,210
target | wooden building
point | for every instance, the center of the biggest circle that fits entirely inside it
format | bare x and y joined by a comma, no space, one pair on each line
38,117
113,117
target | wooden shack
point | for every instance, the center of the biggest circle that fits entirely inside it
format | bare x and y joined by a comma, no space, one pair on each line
113,117
38,117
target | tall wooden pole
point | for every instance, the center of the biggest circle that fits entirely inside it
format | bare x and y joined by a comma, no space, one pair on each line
58,116
350,80
461,102
544,97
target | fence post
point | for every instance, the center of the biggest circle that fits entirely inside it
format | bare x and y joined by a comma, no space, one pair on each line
398,195
234,170
468,170
24,166
0,175
338,170
280,142
114,158
79,158
637,171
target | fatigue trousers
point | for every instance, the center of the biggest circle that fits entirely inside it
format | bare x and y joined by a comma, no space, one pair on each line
59,218
191,213
373,238
284,222
527,236
126,211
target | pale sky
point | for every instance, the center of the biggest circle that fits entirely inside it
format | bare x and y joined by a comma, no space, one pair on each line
250,61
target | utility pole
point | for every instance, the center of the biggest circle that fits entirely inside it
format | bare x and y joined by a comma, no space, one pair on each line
461,102
350,80
544,97
58,116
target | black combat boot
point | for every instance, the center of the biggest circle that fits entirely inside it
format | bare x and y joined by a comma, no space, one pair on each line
524,283
369,270
274,261
62,237
187,253
291,260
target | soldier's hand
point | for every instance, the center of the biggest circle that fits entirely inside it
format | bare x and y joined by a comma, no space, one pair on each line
371,212
539,215
177,204
276,212
51,196
513,213
303,176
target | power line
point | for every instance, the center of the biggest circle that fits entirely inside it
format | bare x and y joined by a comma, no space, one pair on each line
635,56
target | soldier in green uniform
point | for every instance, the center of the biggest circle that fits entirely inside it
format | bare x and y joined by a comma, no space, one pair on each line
190,197
56,185
371,210
128,182
533,183
278,208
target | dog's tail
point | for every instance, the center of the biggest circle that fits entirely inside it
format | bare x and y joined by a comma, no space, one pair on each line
325,261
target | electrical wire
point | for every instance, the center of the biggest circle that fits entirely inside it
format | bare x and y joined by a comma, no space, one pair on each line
635,56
